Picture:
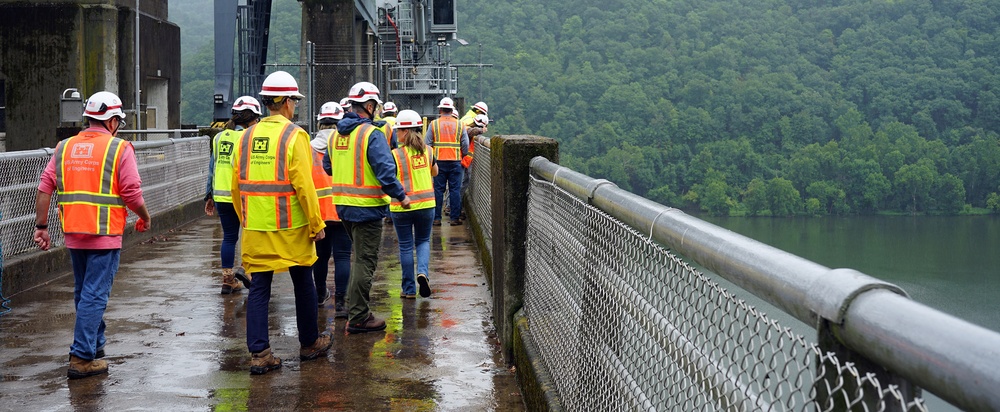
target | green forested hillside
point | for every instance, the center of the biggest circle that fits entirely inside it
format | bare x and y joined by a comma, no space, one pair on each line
762,107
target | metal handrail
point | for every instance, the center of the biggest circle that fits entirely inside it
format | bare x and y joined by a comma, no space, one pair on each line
956,360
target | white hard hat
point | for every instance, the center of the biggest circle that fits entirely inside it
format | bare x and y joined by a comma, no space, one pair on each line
345,103
103,106
408,119
481,120
280,83
481,106
389,107
363,92
247,103
330,110
447,103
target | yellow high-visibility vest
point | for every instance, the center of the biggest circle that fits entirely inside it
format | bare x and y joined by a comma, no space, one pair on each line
447,134
223,146
468,119
414,171
354,181
266,193
87,184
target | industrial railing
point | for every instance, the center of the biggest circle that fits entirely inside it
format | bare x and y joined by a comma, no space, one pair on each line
174,172
621,318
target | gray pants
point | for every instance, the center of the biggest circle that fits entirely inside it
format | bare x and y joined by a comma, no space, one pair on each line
366,238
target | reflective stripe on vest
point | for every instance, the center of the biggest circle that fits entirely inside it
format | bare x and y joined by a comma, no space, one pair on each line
447,134
322,182
414,172
222,181
268,199
387,131
353,181
87,184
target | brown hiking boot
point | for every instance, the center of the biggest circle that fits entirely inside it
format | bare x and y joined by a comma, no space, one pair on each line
317,349
82,368
241,275
263,362
229,282
370,324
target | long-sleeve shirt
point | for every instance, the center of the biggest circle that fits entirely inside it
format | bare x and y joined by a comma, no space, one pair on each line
383,165
276,250
129,188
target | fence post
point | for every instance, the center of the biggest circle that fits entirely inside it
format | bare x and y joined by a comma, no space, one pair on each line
509,161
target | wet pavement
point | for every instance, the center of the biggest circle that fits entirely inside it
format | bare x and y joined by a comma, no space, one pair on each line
175,343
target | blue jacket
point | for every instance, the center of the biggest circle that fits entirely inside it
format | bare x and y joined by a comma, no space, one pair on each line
383,164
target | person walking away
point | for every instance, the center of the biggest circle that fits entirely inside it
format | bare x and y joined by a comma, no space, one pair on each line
96,177
364,178
219,197
274,196
450,141
415,170
389,111
335,241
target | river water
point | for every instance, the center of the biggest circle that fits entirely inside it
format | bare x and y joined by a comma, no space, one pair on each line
951,263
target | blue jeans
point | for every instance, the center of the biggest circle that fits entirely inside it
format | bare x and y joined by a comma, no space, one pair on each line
306,313
449,176
93,273
413,227
230,233
336,243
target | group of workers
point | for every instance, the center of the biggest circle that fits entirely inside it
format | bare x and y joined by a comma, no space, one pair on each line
294,200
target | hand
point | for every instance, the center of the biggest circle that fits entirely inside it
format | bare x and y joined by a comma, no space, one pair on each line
42,239
209,207
319,235
142,225
405,202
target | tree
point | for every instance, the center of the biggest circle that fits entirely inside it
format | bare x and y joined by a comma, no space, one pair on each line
914,182
785,200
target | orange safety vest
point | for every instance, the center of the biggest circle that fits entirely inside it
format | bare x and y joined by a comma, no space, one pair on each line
87,184
447,134
324,189
266,193
414,171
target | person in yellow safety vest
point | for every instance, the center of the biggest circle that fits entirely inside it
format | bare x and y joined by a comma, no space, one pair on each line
389,111
416,169
448,137
476,109
388,116
218,194
364,178
336,242
96,178
275,198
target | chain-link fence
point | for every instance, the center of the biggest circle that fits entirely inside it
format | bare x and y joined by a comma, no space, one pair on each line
624,324
174,172
479,190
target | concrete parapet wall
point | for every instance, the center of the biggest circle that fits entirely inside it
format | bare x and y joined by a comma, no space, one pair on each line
35,269
535,380
509,176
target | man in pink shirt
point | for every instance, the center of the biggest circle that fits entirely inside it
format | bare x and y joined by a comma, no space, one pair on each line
96,178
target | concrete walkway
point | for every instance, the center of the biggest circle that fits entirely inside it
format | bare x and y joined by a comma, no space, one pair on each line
175,343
